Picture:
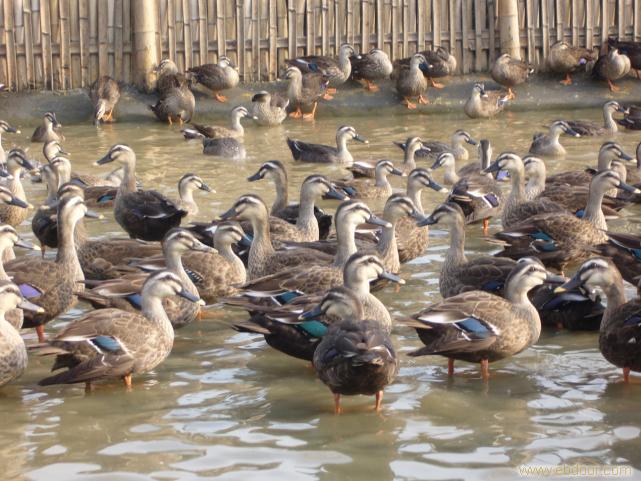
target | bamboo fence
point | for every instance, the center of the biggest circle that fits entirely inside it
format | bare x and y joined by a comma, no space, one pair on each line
64,44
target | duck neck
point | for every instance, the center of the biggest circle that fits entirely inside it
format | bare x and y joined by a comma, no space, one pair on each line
282,195
593,211
517,194
535,185
343,62
3,274
186,194
517,295
615,294
67,254
608,121
414,192
387,247
341,143
225,250
346,242
458,150
455,256
153,310
381,178
236,125
128,184
409,158
15,184
261,245
306,219
450,177
554,135
357,283
80,234
173,261
295,87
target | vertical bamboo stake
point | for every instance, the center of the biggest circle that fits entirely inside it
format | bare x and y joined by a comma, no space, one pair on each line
202,31
145,52
420,25
128,48
559,21
220,28
103,60
620,18
256,39
529,30
291,28
479,63
404,22
350,22
83,20
240,37
65,55
118,46
28,41
545,27
171,30
452,25
637,24
187,40
273,36
325,28
338,25
509,27
605,24
10,43
364,26
436,22
575,22
395,29
465,51
45,32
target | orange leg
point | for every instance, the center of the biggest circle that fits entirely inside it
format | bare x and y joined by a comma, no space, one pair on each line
423,100
510,93
409,104
296,114
450,367
436,85
567,80
127,380
327,96
331,90
613,88
486,226
379,401
337,403
370,86
626,374
310,116
485,369
220,98
40,330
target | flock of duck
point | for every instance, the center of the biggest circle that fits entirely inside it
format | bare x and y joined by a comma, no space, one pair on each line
307,286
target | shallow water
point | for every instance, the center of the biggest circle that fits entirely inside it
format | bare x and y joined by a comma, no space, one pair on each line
225,406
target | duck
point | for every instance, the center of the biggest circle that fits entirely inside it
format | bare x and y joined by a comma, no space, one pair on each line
227,148
411,83
586,128
177,104
217,76
610,67
124,292
216,131
631,118
299,338
268,109
439,63
559,238
304,92
630,49
432,148
483,104
370,67
43,219
624,250
355,356
17,211
337,69
366,189
481,327
104,94
275,171
5,128
49,130
510,72
168,77
548,145
51,283
187,184
621,324
143,214
566,59
111,343
263,258
410,147
13,353
318,153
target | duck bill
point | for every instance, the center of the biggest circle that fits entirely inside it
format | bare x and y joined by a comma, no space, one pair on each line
26,164
104,160
90,214
573,283
230,214
18,203
628,188
374,220
25,244
206,188
437,187
30,306
12,130
189,296
400,145
398,172
416,215
553,278
255,177
572,132
471,141
311,314
627,157
333,193
391,277
246,241
5,174
492,168
429,220
435,165
200,247
361,139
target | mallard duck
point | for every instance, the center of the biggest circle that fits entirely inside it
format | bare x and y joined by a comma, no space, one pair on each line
216,131
51,283
621,326
187,184
484,104
624,250
558,238
104,94
307,152
548,144
227,148
49,130
370,67
5,128
610,67
304,92
276,172
410,147
366,189
478,326
124,292
337,70
13,353
17,211
432,148
631,118
269,110
263,258
411,83
143,214
285,332
168,77
356,356
175,105
217,77
586,128
439,63
566,59
110,343
509,72
629,48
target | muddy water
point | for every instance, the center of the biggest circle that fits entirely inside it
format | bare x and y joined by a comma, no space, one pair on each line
225,406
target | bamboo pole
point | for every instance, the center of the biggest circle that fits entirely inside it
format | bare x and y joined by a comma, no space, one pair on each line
30,81
509,27
118,46
144,31
103,39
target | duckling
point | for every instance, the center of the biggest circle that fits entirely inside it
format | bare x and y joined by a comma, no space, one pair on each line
186,186
411,82
15,213
621,325
5,128
227,147
104,94
108,343
484,104
567,59
13,353
477,326
509,72
370,67
586,128
307,152
610,67
49,130
217,132
304,92
356,356
548,144
366,189
143,214
337,70
269,109
410,147
217,77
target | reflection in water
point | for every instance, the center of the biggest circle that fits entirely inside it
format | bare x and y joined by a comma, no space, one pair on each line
224,406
